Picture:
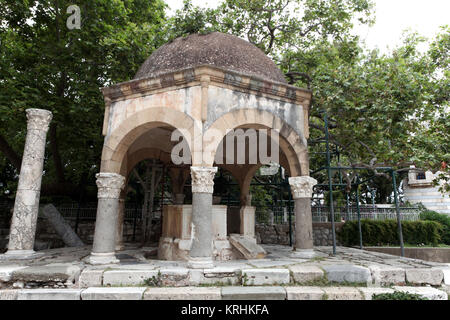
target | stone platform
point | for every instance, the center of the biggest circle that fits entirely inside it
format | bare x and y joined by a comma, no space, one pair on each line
350,274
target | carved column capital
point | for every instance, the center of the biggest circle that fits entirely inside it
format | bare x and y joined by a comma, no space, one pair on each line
203,179
109,185
38,119
302,187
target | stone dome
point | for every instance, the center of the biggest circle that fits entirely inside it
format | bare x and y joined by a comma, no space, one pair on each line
217,49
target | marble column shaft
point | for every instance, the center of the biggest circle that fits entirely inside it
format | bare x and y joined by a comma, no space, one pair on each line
301,188
120,223
202,191
109,188
26,206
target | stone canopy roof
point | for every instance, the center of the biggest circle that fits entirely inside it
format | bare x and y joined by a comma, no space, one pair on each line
217,49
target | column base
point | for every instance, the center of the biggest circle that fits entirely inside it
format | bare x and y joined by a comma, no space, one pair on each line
200,263
20,255
103,258
303,253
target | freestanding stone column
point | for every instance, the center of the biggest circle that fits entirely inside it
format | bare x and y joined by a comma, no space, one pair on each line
26,206
120,222
109,188
201,232
301,188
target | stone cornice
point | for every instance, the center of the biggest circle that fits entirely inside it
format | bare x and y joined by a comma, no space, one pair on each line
218,76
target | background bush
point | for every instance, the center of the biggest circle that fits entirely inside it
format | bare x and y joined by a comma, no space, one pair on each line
384,232
397,295
443,219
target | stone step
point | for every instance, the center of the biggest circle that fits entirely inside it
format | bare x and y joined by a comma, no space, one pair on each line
217,293
247,246
372,275
55,272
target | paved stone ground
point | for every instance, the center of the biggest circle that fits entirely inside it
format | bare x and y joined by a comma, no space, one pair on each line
350,274
215,293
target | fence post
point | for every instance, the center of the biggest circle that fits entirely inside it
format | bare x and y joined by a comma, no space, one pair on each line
397,209
359,213
77,220
134,220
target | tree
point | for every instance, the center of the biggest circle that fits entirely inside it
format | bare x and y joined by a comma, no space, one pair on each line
384,109
43,64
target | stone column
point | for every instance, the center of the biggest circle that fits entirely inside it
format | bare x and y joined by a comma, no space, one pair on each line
200,255
120,221
26,206
109,188
301,188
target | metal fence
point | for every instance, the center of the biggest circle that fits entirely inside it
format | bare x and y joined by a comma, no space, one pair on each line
266,213
88,211
322,213
279,213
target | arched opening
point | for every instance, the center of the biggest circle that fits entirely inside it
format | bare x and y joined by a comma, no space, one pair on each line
155,181
248,149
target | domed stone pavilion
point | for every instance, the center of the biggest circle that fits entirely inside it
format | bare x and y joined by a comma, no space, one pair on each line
202,89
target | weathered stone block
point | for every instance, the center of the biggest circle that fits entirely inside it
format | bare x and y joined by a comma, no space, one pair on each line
430,276
425,292
253,293
8,294
177,277
342,293
118,293
128,277
446,273
348,273
369,292
91,278
247,246
49,294
56,272
255,277
302,274
304,293
387,275
6,272
185,293
218,275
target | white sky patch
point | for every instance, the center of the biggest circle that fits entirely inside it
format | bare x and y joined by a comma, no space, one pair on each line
393,17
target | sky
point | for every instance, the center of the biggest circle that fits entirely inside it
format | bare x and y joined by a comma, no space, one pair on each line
392,18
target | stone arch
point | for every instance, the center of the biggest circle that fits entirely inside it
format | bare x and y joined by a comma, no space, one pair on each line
292,143
118,142
142,154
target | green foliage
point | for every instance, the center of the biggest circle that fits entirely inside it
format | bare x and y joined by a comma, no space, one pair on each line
397,295
154,281
443,219
43,64
385,232
384,109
